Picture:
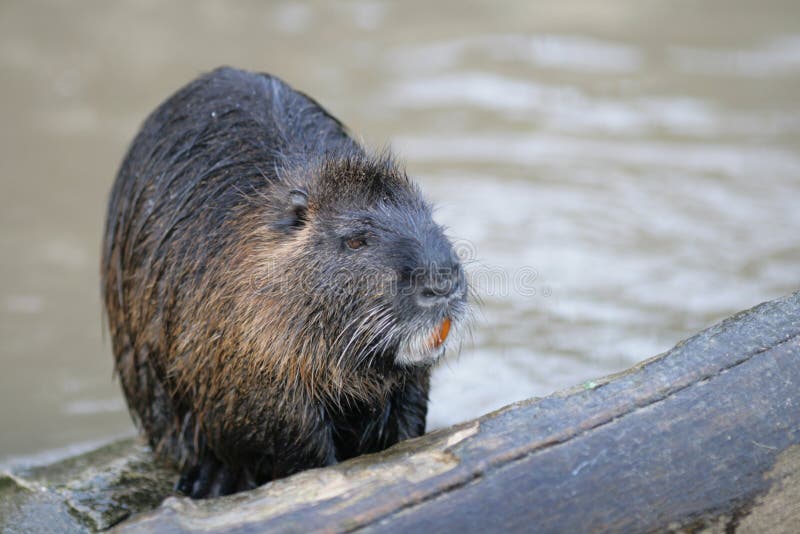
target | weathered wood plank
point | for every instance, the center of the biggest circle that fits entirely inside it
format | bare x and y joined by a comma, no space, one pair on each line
704,436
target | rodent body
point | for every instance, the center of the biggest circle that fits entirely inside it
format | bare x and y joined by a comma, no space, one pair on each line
276,296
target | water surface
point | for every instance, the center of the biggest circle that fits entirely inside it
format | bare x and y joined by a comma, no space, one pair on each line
620,173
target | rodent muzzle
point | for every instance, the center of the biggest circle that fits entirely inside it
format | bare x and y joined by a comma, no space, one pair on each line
440,286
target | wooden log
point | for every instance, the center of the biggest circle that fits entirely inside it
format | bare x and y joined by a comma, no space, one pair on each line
85,492
705,437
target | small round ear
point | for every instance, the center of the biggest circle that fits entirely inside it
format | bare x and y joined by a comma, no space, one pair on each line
299,199
295,212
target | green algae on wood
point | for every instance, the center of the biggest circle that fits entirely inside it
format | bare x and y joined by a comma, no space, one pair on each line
88,492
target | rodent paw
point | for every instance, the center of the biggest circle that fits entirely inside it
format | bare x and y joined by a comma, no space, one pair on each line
211,478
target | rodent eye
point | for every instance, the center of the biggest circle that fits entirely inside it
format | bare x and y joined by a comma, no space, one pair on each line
355,243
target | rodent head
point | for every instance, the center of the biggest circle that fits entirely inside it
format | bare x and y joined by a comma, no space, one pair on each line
369,251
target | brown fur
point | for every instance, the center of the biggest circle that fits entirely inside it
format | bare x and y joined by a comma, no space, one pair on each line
237,344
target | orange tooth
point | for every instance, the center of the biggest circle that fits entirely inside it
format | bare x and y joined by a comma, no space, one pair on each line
440,334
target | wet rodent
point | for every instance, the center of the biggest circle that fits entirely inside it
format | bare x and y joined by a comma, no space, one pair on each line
276,295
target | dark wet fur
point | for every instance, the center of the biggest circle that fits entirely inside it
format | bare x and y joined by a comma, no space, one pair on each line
238,341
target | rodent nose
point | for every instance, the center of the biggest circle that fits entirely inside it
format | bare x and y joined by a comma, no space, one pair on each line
438,287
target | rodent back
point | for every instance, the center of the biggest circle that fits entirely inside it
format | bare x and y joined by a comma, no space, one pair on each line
200,155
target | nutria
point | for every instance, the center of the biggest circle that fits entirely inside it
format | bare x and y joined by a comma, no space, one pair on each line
276,295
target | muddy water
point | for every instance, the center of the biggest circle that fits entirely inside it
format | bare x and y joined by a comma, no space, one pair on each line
620,174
